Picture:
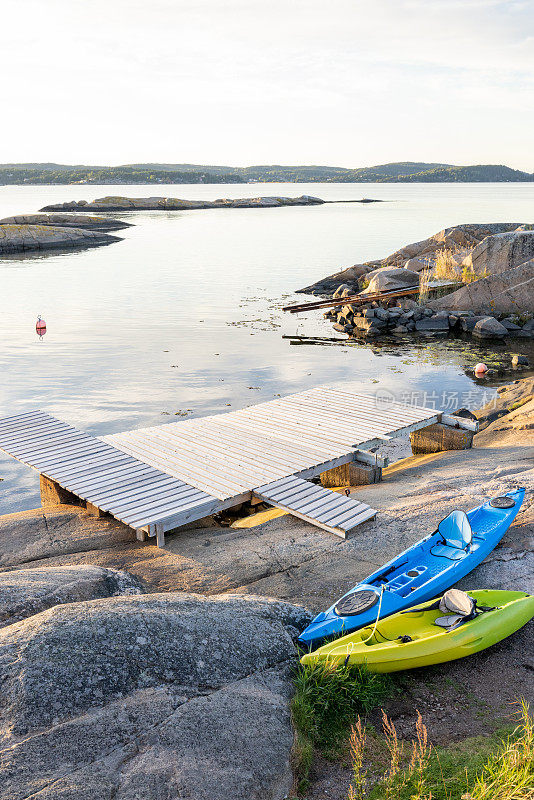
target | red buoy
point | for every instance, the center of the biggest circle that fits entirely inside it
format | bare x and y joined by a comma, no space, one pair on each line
40,327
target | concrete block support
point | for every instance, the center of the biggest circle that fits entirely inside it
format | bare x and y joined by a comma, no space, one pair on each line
352,474
52,494
438,437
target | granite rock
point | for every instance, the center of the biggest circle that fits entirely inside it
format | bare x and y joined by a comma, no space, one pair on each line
21,238
489,328
83,221
153,696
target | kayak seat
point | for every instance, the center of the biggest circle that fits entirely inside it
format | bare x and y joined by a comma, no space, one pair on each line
456,535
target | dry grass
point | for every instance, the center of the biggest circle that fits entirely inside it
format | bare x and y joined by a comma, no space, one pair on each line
356,750
478,769
446,267
424,280
509,774
394,780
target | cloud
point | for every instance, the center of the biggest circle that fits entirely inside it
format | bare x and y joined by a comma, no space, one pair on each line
180,80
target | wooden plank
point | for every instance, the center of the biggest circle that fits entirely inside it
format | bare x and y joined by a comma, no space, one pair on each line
349,403
246,468
360,411
61,453
137,487
296,495
112,478
93,466
19,438
459,422
204,479
396,411
17,419
321,507
186,513
321,425
283,454
353,523
150,503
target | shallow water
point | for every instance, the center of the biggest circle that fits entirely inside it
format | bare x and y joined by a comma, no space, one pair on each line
184,315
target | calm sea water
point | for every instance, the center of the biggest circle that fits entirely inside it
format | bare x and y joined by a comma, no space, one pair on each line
184,315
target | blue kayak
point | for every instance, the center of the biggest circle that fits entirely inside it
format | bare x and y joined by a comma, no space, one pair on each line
422,572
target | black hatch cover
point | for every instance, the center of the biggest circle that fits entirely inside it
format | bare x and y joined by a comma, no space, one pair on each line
356,603
502,502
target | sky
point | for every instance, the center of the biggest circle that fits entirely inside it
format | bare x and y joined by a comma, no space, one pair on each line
342,82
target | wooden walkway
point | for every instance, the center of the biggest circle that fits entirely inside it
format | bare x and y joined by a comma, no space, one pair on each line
326,509
129,489
156,479
229,455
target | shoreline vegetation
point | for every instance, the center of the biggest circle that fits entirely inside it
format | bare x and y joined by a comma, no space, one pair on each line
151,173
130,655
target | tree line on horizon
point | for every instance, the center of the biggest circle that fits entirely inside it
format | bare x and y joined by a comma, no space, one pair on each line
398,172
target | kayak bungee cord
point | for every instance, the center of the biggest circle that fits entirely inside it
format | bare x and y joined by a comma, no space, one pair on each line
364,641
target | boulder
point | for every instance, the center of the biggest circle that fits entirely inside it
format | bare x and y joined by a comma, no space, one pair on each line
458,239
417,264
501,252
54,532
84,221
432,324
342,327
342,290
468,323
154,696
381,313
388,279
519,360
510,325
349,277
21,238
373,325
25,592
510,292
489,328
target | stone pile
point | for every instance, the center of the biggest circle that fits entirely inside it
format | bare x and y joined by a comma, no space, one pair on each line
410,317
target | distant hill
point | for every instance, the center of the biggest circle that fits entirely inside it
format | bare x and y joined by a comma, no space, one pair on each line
496,173
48,166
153,173
299,174
65,175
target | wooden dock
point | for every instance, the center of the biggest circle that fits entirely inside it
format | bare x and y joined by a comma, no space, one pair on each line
158,478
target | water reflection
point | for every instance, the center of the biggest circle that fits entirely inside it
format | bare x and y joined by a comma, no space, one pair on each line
184,314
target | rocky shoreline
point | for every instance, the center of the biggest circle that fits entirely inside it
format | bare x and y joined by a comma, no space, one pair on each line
124,671
471,279
23,238
64,228
175,204
83,221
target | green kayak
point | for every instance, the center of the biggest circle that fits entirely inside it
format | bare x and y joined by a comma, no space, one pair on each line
413,639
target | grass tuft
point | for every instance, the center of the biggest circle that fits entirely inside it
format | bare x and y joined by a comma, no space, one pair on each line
328,697
446,267
479,768
509,774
